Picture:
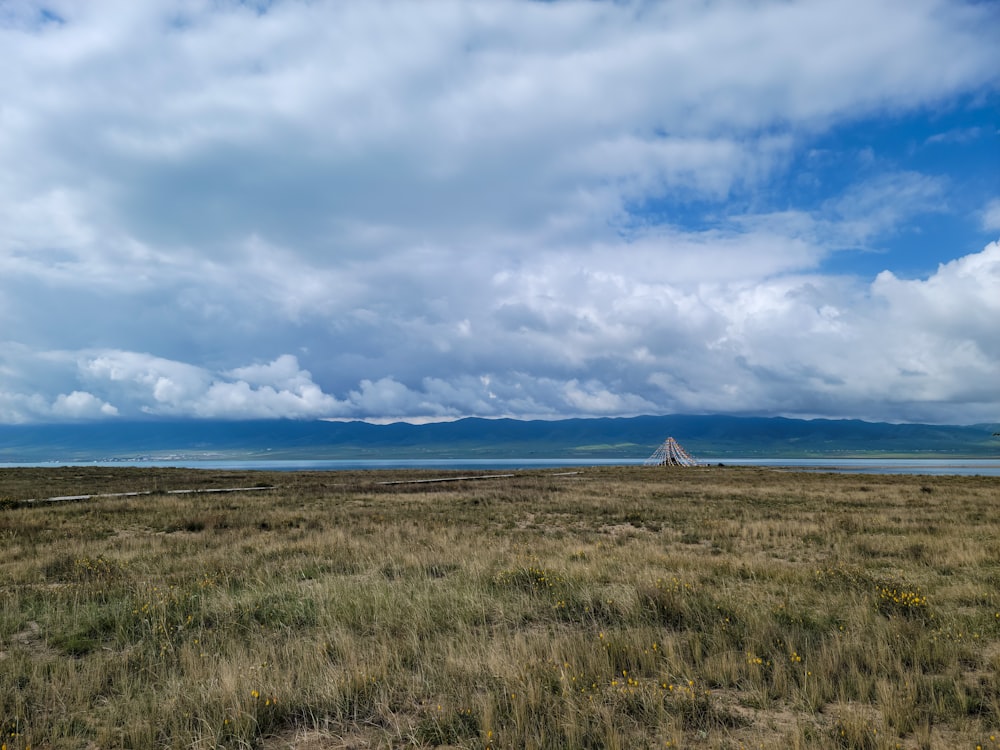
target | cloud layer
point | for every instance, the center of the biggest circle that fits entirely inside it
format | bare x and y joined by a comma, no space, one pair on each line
305,210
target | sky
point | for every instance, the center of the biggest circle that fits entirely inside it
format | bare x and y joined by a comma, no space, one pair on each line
505,208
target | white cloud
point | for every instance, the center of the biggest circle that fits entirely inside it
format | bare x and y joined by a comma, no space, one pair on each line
18,408
918,349
991,216
960,304
158,386
529,209
295,122
878,205
241,400
81,405
284,372
594,398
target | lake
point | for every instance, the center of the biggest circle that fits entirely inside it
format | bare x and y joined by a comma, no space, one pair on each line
938,466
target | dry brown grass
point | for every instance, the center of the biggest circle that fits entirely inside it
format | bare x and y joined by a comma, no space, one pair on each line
620,607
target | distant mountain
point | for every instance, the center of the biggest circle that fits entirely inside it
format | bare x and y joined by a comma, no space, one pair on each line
635,437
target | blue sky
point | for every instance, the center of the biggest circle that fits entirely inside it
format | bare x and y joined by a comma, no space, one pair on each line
433,210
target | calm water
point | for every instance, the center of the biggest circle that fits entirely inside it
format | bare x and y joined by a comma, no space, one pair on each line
940,466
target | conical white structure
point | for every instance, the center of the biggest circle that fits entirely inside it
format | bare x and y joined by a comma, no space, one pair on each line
670,454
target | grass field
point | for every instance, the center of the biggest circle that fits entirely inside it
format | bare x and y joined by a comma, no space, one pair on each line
612,608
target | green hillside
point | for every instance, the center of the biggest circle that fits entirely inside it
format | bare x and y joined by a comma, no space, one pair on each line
636,437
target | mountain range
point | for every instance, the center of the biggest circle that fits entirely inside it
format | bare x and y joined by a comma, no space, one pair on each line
715,437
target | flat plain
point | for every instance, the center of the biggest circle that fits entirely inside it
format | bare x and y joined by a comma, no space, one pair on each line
613,607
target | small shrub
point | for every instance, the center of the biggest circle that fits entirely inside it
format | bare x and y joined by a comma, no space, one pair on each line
891,600
451,727
73,644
